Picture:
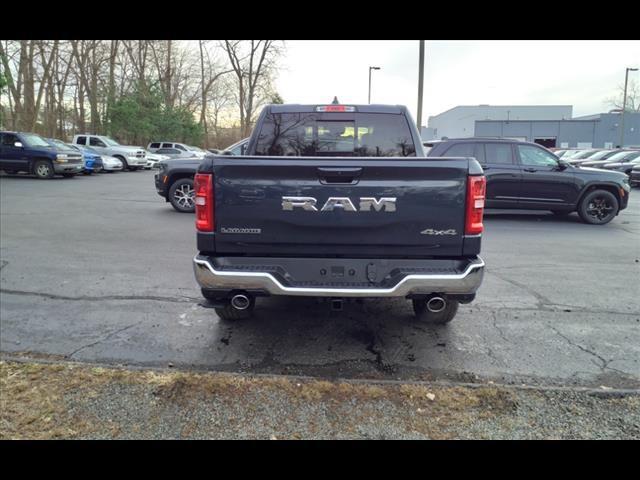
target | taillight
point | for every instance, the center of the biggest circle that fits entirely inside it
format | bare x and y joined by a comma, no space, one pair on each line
476,187
203,186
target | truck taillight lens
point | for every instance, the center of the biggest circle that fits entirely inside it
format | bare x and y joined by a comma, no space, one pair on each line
203,186
476,187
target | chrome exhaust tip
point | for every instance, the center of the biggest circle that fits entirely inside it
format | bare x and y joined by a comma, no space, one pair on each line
436,304
240,302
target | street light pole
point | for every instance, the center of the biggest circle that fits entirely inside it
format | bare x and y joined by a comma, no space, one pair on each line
624,104
420,83
371,68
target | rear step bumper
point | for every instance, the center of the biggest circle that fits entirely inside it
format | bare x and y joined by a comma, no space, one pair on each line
463,281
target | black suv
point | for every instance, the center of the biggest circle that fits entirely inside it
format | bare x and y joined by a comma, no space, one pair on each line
525,176
174,180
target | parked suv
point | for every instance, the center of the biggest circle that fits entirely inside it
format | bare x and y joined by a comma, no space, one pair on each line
525,176
174,180
29,152
153,146
132,158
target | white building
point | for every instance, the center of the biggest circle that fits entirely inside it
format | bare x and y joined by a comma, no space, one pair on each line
459,122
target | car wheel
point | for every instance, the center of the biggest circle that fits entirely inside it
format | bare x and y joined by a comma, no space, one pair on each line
125,165
43,169
182,195
598,207
446,312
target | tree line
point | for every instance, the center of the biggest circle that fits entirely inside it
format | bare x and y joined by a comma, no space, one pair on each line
198,92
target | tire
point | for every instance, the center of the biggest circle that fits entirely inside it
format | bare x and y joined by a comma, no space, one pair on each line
43,169
437,318
133,169
182,195
598,207
230,314
125,165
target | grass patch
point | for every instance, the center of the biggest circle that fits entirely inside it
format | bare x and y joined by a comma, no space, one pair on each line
52,400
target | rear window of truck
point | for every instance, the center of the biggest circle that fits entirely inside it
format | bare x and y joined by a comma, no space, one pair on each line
312,135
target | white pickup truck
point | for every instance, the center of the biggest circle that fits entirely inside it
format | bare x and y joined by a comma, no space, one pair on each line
132,158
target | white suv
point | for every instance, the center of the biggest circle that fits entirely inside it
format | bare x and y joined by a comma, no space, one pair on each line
153,146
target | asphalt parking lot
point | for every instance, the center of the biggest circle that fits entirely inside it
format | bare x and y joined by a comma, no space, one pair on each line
98,269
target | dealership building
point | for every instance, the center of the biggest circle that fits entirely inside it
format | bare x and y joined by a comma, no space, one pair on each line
548,125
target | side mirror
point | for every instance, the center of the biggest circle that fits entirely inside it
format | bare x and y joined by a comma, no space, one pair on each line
17,144
562,164
243,149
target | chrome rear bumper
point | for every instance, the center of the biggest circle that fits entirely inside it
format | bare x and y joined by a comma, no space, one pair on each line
466,282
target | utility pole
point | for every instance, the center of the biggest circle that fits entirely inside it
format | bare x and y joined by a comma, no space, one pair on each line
420,83
624,104
371,68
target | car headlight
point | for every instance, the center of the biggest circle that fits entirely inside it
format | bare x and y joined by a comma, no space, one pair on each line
61,158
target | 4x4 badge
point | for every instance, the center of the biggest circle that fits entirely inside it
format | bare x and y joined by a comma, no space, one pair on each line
431,231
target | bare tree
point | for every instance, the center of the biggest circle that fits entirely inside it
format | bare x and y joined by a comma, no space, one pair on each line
60,87
633,97
89,57
31,61
253,62
210,72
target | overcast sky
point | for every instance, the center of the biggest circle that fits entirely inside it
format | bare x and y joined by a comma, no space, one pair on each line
578,73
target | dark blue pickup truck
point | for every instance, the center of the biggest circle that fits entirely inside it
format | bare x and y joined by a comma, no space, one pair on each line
30,153
338,201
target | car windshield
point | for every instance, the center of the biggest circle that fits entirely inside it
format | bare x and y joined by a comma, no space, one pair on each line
60,144
109,141
620,156
33,140
599,155
585,155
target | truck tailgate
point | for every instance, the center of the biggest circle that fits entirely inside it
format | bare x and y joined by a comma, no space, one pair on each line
348,206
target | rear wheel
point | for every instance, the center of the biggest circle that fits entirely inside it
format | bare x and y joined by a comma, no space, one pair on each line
445,314
182,195
598,207
43,169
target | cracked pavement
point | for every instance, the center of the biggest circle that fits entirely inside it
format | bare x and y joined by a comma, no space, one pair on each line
98,269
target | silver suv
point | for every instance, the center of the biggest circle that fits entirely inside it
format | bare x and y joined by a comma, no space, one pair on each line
132,158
